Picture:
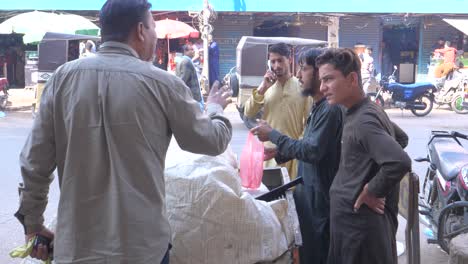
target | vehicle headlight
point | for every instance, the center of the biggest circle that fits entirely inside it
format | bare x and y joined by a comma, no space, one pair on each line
464,177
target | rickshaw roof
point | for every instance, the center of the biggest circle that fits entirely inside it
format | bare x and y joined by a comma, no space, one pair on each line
62,36
287,40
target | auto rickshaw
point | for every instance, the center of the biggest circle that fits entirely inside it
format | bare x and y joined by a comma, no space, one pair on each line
252,63
55,49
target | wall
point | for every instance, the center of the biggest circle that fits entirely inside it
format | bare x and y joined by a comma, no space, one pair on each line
312,29
228,29
361,29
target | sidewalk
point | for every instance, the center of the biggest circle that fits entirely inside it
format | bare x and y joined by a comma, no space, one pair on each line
20,99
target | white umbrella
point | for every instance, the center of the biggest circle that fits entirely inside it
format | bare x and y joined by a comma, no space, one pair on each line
35,24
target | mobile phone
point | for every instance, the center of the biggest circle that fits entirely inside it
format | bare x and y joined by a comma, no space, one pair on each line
269,68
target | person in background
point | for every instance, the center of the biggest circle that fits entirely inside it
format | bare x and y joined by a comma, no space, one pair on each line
105,124
88,50
367,68
187,72
439,44
364,194
213,66
198,48
280,96
450,55
318,155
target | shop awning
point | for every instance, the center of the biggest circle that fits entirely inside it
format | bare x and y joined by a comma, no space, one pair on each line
315,6
460,24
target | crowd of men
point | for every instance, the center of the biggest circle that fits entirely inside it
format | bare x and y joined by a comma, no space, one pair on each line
105,124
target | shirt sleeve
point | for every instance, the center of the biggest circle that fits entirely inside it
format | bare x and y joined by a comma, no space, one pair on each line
254,104
392,160
37,162
313,147
400,136
182,71
203,133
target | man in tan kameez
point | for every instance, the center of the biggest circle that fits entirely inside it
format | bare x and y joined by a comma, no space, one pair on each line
284,108
105,123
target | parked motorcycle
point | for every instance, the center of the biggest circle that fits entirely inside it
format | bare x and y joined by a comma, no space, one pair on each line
452,91
417,97
444,200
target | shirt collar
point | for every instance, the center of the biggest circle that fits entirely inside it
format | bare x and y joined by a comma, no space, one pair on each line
319,102
118,47
355,107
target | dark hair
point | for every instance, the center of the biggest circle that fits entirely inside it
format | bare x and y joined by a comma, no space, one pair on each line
309,56
369,48
119,17
88,45
280,48
185,47
344,60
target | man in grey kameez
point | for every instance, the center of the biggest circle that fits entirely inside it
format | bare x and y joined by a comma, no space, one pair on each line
105,124
318,153
364,193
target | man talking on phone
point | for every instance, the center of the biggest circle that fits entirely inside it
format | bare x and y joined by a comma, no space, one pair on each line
284,107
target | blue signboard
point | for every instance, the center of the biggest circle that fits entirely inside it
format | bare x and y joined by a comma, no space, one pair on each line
315,6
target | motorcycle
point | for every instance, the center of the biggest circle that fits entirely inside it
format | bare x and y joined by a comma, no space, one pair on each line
444,200
452,91
417,97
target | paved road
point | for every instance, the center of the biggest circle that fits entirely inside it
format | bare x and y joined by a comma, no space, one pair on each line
15,127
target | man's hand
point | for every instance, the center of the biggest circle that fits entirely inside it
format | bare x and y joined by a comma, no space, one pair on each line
269,153
374,203
268,80
42,251
262,130
219,96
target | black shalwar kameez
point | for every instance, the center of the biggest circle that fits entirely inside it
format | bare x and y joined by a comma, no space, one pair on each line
371,154
319,156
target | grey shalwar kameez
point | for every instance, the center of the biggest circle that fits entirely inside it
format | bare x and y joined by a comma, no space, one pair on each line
319,156
371,154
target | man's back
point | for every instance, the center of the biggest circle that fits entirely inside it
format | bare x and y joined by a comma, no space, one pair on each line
111,118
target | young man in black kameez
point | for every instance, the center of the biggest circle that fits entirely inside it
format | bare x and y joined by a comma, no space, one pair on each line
364,193
318,154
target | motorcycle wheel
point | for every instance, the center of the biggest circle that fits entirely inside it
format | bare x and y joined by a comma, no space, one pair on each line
450,224
457,105
424,99
378,100
234,84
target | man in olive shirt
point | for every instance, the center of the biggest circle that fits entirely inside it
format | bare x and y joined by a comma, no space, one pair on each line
105,124
364,193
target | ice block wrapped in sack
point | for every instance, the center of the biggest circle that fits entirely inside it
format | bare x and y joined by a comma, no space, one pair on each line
213,220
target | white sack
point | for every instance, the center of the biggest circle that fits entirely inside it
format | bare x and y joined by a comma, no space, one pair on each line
213,220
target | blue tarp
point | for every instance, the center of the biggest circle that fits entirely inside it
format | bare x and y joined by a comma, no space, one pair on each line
315,6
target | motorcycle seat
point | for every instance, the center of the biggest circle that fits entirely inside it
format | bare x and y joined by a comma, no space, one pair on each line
422,85
448,156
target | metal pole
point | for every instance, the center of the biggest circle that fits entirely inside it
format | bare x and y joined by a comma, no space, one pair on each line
205,32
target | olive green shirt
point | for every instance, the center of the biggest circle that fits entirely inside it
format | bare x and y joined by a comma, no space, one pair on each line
105,124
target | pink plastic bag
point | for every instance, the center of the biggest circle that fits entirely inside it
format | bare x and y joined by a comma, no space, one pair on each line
251,163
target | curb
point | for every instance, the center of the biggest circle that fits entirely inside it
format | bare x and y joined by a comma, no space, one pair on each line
19,108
